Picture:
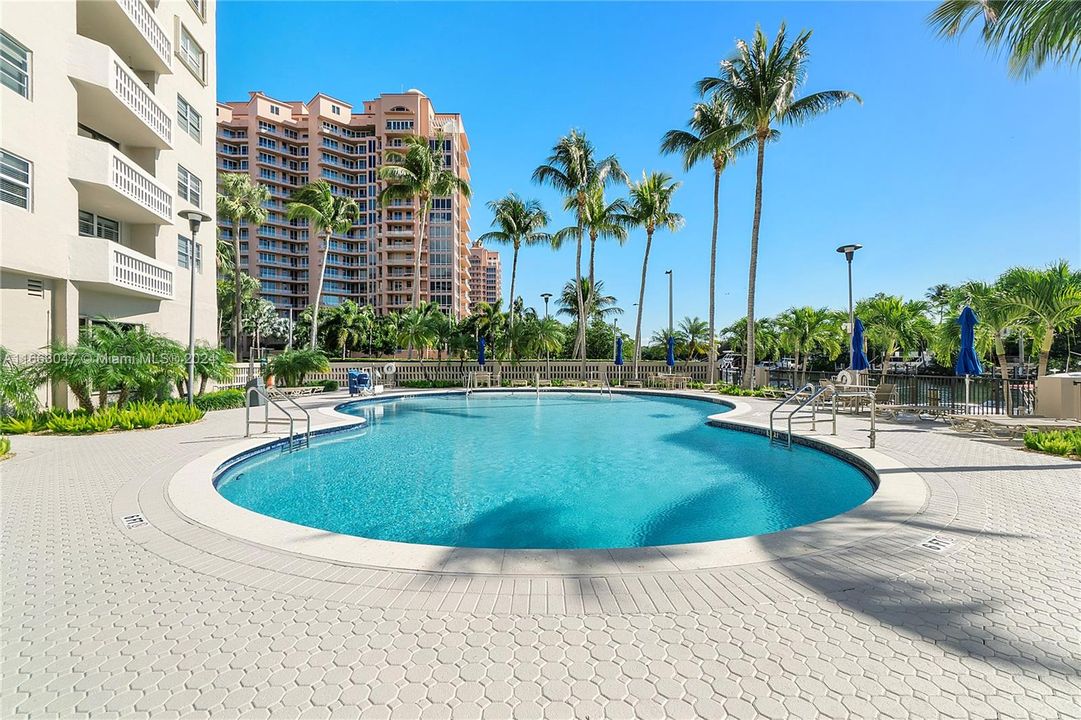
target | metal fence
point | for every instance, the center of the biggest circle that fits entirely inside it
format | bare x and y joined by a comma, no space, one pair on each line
986,396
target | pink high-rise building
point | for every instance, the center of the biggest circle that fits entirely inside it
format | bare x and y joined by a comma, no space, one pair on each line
486,276
285,145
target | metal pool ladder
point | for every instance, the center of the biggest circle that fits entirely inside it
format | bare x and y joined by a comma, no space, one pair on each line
296,441
811,397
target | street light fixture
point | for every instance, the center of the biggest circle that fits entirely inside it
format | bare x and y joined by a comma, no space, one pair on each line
671,327
195,219
849,251
547,353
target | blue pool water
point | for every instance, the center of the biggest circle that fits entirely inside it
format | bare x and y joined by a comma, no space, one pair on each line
563,470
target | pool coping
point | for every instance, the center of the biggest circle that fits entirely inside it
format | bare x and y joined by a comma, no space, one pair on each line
901,493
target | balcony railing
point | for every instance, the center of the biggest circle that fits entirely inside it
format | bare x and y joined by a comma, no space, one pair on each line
113,100
135,271
108,179
135,95
137,185
143,19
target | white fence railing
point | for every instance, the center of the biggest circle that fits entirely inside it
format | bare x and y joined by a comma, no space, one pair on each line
143,18
137,272
135,95
133,182
455,371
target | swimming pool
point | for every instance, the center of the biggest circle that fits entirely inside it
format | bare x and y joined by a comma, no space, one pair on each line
559,470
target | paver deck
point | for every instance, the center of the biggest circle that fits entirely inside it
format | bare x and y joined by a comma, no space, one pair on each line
172,619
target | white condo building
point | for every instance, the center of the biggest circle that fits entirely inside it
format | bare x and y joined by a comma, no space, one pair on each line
107,133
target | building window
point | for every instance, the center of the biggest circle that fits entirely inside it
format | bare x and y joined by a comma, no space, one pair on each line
275,110
335,109
188,186
183,253
191,54
189,120
14,180
399,124
91,225
14,65
199,6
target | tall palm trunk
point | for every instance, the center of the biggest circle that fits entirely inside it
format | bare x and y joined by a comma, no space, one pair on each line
513,277
578,286
422,206
1045,352
319,291
713,276
890,349
236,288
1003,368
592,255
641,303
748,371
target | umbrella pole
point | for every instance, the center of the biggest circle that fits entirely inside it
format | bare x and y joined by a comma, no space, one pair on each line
966,394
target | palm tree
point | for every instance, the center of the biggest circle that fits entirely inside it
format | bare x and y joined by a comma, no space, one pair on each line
327,214
291,366
549,336
416,331
519,222
239,200
598,306
1033,32
1050,300
18,386
693,336
349,326
807,330
574,170
939,297
604,220
418,175
767,343
759,86
716,136
894,324
650,208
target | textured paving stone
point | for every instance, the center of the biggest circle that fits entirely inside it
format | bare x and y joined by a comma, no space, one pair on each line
99,621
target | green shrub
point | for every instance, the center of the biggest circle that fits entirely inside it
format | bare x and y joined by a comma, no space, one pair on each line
5,446
74,424
220,400
18,426
1055,442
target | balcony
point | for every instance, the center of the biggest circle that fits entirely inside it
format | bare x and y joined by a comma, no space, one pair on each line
111,267
113,100
111,184
130,28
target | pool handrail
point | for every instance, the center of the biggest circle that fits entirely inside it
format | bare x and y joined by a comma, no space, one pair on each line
272,399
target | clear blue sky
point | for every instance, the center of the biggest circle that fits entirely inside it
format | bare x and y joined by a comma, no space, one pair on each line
950,169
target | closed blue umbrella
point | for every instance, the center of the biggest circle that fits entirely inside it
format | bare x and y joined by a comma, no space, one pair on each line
968,362
619,351
671,359
859,357
480,352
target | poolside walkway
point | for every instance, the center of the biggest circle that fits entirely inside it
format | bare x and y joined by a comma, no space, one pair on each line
162,618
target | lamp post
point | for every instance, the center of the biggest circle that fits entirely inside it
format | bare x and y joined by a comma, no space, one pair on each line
547,353
670,323
195,219
849,251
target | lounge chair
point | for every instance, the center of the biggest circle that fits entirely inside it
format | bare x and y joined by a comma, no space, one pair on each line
482,377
